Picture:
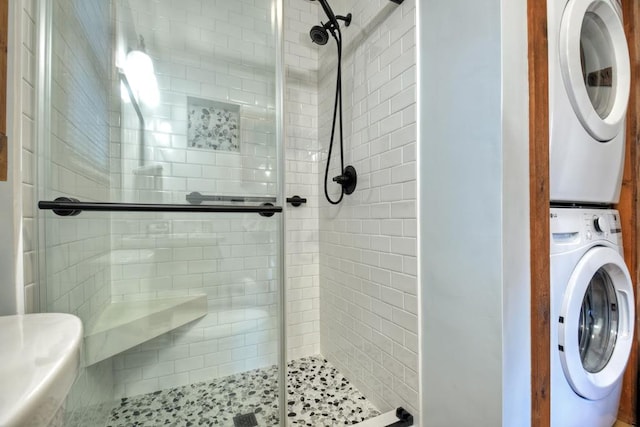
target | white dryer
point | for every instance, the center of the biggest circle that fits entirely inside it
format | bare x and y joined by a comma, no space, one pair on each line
592,317
589,83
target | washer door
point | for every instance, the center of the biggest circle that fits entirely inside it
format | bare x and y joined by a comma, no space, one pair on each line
594,59
596,323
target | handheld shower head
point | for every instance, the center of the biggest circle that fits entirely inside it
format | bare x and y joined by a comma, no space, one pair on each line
319,35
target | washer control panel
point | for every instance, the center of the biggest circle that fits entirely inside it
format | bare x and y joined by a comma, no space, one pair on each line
576,226
602,224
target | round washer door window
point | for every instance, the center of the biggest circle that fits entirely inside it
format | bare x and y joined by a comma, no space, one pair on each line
594,59
596,323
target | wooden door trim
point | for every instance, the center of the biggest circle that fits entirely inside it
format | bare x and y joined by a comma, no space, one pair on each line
539,212
628,205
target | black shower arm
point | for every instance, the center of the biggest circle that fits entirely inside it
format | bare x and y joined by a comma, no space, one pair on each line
332,17
328,12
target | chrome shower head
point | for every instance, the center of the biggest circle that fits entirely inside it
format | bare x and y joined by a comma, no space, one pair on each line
319,35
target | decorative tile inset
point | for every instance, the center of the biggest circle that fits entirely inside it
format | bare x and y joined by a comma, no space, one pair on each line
317,395
213,124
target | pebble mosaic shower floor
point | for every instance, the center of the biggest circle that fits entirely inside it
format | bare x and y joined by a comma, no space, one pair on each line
317,395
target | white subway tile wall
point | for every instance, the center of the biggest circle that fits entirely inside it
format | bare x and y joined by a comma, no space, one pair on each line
77,269
301,151
215,55
29,230
368,245
78,273
218,54
232,261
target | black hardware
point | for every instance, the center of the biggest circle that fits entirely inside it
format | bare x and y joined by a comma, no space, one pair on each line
196,198
296,201
348,179
346,19
65,206
319,35
267,214
397,1
333,19
404,418
67,212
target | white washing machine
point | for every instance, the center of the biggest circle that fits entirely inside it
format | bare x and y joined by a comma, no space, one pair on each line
592,317
589,83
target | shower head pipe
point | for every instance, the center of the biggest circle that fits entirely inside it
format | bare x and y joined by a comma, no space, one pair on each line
329,12
333,18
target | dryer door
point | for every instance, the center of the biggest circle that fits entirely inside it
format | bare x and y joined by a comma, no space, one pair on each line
594,59
596,323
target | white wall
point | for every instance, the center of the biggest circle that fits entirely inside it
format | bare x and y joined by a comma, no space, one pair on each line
516,332
474,213
302,166
77,278
220,53
368,249
221,259
28,160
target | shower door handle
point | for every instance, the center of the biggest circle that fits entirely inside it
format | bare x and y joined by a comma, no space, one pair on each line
196,198
67,206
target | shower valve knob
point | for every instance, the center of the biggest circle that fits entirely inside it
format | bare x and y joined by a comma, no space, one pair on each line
348,180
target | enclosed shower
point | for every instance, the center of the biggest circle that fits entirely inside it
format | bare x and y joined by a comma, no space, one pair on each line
181,157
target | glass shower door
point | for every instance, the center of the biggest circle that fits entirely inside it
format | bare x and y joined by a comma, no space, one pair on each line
161,195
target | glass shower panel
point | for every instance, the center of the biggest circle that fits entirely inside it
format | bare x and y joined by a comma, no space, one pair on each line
205,120
154,112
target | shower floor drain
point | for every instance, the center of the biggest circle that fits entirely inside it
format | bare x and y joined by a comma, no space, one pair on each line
246,420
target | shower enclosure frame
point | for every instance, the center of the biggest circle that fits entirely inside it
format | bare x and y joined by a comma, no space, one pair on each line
44,32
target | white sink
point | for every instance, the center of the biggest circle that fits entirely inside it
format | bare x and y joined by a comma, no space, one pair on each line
39,361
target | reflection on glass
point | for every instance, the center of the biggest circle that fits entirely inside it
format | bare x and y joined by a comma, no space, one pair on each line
598,63
598,328
186,298
138,68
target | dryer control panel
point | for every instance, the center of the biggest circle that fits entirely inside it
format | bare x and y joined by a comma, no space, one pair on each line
578,226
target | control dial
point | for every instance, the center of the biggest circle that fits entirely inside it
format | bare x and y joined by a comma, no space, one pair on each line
600,224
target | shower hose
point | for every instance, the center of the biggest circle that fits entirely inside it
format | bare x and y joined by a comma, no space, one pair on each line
337,111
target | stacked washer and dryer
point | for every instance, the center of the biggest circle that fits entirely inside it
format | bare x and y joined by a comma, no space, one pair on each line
592,301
